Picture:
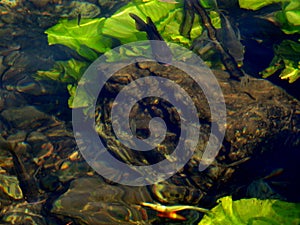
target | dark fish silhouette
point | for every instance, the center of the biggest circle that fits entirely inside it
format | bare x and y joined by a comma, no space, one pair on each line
78,19
160,50
188,20
230,40
192,7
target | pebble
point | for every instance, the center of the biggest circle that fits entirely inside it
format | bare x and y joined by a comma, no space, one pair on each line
86,9
9,185
24,118
10,99
11,3
91,201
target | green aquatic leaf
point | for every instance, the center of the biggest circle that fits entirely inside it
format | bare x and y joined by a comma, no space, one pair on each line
288,49
215,19
83,99
209,4
94,36
87,38
125,52
289,17
274,66
257,4
291,71
166,16
252,211
169,28
65,71
170,24
122,26
286,60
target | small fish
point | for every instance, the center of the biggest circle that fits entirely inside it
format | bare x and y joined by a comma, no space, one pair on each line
174,208
274,173
160,50
171,211
78,19
5,51
230,40
222,43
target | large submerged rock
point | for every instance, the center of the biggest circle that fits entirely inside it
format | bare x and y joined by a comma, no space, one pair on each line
90,200
263,122
262,136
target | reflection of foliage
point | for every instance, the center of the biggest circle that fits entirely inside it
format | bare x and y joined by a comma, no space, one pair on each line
252,211
287,54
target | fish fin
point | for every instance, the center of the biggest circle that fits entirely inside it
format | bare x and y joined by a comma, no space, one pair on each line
153,33
150,22
237,32
149,27
139,23
219,34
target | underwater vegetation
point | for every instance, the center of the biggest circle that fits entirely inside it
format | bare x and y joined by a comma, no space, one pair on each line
238,212
286,61
252,211
262,116
93,37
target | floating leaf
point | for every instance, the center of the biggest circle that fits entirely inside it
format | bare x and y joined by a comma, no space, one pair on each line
252,211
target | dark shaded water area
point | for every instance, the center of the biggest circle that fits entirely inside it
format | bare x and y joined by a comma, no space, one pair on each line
45,180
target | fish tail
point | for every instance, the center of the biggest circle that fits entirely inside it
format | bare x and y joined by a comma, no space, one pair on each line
139,23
